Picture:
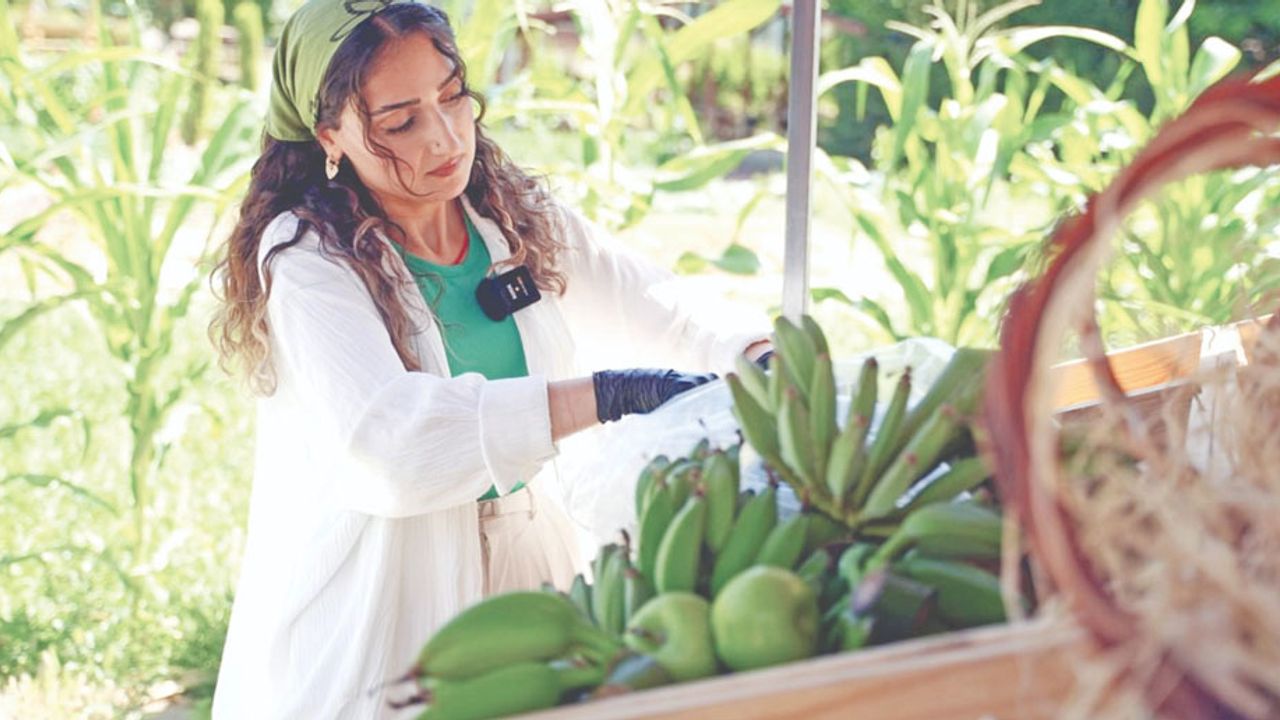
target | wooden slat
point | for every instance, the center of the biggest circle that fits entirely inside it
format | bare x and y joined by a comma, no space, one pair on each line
1021,671
1138,367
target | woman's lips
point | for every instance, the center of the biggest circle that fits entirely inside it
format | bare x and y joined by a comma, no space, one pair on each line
446,169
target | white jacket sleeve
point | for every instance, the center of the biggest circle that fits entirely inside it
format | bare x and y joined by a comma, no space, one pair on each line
417,442
620,298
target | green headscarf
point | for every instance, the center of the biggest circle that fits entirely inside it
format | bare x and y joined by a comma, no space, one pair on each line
310,38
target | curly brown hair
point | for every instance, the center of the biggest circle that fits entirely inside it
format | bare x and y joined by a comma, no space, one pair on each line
289,176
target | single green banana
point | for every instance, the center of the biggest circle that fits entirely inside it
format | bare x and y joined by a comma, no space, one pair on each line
634,671
508,690
720,485
610,595
758,424
822,415
814,331
654,524
798,350
855,631
509,628
580,594
785,542
945,530
822,530
637,591
755,521
814,570
700,450
849,452
967,596
944,431
779,381
599,563
964,474
886,438
684,476
795,440
851,562
654,469
681,548
966,371
753,380
841,463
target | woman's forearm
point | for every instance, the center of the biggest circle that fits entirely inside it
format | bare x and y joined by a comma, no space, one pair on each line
573,406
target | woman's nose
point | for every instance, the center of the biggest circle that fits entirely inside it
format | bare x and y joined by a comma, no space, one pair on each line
442,138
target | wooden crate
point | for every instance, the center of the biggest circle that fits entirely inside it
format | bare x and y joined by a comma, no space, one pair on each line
1001,672
1023,671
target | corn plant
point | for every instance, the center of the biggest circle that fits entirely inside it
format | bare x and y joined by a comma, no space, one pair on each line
1196,255
631,104
936,208
98,127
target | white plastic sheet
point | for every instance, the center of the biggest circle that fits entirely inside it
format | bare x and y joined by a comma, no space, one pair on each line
598,470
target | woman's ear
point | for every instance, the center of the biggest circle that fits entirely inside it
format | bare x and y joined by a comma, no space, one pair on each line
328,139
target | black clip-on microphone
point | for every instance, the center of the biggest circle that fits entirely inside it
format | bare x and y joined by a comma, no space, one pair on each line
504,294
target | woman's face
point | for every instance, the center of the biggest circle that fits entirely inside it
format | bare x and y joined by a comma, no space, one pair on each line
418,112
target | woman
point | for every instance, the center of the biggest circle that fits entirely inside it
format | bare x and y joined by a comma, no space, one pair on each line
399,426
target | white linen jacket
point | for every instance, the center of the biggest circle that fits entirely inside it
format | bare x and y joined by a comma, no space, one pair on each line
363,533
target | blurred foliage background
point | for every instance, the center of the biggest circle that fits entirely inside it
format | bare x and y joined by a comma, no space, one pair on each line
953,137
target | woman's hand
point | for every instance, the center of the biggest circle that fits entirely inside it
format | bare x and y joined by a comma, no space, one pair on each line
639,390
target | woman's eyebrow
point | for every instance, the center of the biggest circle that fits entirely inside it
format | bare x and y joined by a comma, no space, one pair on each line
415,101
395,106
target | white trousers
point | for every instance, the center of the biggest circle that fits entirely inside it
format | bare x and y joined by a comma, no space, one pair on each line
524,543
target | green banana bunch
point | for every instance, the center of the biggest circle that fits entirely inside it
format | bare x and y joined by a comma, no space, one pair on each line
783,545
821,531
680,553
649,476
510,628
814,571
755,521
609,593
945,530
720,485
653,525
511,689
967,596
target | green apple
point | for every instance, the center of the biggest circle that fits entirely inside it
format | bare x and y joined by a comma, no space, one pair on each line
764,616
675,628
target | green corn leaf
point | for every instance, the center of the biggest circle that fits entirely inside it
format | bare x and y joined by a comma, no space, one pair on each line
738,260
702,165
873,71
727,19
42,480
1148,39
1214,60
10,327
822,294
915,88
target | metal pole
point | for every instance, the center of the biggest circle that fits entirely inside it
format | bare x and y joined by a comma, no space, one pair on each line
801,128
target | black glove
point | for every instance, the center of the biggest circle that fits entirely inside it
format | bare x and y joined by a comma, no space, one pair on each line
639,390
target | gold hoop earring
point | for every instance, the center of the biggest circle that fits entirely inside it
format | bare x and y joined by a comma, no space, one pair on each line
330,167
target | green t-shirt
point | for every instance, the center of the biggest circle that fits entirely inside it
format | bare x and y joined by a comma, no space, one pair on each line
473,342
